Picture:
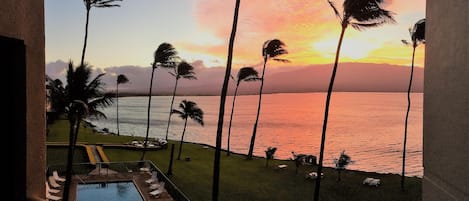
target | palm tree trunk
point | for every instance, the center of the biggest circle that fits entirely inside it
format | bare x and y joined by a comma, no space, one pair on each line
326,114
221,113
182,140
171,107
231,118
407,118
86,37
254,130
117,108
68,173
267,162
148,115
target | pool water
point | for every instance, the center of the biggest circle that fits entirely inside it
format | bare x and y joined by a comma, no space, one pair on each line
115,191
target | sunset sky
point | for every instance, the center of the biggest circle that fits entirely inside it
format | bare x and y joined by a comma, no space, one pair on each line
199,29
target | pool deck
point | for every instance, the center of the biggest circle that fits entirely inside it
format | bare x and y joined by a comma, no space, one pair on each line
137,177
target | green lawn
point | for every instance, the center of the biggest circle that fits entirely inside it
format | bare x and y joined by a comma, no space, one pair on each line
250,180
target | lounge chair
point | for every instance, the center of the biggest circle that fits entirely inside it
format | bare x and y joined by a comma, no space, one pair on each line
51,190
156,193
153,178
56,176
313,175
371,182
52,197
53,183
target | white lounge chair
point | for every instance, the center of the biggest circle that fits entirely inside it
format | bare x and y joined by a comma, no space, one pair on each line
51,190
52,197
314,175
56,176
53,183
156,193
153,178
371,182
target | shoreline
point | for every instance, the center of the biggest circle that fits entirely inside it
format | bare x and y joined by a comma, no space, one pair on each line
88,122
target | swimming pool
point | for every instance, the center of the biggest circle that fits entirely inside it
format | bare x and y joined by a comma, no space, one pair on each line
115,191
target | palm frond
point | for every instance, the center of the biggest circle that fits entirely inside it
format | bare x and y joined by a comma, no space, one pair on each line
104,4
247,74
418,32
165,56
366,13
122,79
185,70
172,74
336,12
273,48
405,42
281,60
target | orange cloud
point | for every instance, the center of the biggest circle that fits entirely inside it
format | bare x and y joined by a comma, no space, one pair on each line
309,28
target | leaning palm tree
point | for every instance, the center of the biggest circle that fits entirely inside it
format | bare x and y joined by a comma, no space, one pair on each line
360,14
88,5
165,56
244,74
83,98
183,70
417,35
270,50
189,109
121,79
221,110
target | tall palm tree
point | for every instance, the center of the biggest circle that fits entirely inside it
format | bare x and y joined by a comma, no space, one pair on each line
360,14
83,98
221,110
88,5
244,74
189,109
183,70
121,79
165,56
270,50
417,35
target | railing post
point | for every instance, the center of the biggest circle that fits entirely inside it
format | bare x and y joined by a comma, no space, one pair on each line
170,168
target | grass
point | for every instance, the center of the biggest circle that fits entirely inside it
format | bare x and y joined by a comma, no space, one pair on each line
57,155
242,179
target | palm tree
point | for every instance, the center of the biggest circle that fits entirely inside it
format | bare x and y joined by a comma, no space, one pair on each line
189,109
269,154
164,56
341,163
183,70
121,79
221,110
270,50
360,14
88,5
417,34
83,98
244,74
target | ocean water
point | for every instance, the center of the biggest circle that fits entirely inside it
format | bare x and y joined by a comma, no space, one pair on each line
368,126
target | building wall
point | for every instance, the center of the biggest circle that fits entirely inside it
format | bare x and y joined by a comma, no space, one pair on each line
24,20
446,101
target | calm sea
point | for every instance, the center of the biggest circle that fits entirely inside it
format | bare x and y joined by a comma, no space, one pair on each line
368,126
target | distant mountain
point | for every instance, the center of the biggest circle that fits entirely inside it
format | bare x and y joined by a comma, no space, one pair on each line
351,77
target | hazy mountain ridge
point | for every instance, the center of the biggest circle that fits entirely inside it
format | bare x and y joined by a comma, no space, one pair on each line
351,77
